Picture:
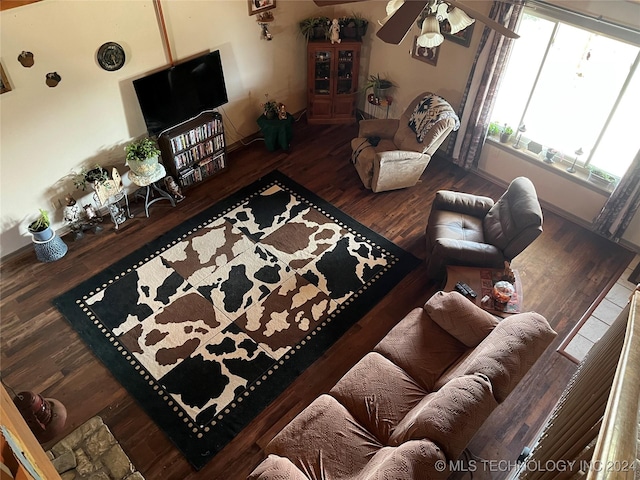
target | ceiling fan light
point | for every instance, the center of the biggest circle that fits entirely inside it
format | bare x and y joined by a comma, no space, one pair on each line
391,8
430,35
458,20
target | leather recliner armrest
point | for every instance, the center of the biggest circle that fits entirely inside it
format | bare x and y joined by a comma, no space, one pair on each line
475,205
383,128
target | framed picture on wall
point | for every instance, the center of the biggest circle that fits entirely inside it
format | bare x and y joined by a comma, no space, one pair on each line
426,55
259,6
463,37
4,82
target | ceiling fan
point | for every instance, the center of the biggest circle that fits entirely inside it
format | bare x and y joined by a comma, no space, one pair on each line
401,15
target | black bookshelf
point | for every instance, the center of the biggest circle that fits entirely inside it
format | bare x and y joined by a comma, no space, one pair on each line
195,150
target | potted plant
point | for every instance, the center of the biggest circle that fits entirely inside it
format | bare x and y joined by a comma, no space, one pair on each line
507,131
142,157
600,177
494,129
315,28
97,174
270,109
379,85
40,228
353,27
347,28
48,246
361,24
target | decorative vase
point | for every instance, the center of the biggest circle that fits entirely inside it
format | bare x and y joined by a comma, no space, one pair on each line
49,249
361,30
43,235
44,416
381,92
348,32
144,168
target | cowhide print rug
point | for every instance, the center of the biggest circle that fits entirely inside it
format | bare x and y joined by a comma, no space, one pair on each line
209,323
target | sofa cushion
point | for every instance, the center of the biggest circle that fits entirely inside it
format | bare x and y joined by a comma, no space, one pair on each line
450,416
325,441
507,353
460,317
412,460
276,468
421,348
378,394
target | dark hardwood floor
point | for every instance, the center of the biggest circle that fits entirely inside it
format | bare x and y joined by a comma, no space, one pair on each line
562,272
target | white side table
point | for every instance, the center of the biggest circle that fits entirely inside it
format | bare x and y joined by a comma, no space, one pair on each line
149,183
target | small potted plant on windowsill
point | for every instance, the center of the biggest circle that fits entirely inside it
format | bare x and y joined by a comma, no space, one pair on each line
507,131
600,177
142,157
494,129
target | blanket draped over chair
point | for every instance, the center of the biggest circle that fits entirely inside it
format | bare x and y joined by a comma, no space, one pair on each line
430,110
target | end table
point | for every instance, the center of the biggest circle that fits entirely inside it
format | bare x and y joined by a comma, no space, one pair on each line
277,133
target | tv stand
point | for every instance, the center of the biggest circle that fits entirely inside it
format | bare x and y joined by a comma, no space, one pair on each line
194,151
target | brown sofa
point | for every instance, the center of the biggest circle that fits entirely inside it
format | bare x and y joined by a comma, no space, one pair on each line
416,399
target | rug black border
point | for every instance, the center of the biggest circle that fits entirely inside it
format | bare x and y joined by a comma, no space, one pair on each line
198,451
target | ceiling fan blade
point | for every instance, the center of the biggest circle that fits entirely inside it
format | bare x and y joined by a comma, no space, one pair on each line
484,19
323,3
401,22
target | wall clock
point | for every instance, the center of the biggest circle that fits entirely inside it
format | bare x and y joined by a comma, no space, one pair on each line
111,56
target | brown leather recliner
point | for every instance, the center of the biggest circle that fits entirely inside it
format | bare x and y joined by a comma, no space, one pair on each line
472,230
399,159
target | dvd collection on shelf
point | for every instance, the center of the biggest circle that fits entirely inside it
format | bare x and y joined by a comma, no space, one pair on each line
203,169
196,150
199,151
196,135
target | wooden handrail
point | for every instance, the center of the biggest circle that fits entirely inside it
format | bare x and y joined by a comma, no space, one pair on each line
616,450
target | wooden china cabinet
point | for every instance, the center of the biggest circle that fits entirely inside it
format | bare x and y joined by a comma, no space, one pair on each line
332,77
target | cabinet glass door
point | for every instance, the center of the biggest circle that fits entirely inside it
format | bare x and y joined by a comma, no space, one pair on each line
322,74
345,72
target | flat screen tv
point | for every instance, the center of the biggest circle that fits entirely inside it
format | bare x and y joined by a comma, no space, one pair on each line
176,94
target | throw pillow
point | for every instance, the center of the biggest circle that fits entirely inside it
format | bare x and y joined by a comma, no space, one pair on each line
460,317
449,417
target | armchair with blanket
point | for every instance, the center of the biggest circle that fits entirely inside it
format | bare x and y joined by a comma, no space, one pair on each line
404,146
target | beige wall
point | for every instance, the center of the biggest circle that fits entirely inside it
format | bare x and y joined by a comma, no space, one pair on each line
47,133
